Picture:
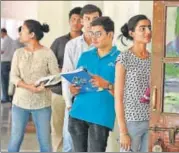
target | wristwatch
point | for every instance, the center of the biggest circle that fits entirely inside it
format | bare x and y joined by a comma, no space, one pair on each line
110,86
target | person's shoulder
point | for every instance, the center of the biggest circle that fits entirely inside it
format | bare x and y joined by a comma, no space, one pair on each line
7,39
47,50
116,51
10,39
88,53
123,56
19,51
74,42
125,52
61,38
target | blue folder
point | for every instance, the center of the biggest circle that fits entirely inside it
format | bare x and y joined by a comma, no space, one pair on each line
80,77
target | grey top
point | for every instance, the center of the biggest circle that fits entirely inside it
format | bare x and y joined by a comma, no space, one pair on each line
8,49
18,44
136,82
58,47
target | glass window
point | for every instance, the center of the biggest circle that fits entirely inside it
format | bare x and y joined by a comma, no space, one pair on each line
171,88
172,32
171,70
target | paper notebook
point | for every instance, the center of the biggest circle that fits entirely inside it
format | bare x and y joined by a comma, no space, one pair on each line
80,77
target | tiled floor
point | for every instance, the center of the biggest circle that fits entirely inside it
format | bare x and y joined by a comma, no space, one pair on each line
30,143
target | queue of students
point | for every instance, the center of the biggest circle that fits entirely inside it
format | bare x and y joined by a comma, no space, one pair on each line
86,120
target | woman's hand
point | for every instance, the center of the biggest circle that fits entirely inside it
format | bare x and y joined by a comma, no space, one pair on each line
35,89
74,89
125,141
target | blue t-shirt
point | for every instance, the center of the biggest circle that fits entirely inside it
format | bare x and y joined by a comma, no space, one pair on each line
97,107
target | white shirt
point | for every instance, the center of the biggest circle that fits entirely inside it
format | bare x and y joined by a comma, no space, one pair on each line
73,50
7,47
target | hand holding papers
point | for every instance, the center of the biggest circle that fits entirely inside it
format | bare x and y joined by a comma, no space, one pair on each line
49,81
81,78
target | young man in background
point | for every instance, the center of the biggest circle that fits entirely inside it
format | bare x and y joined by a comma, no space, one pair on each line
73,51
58,104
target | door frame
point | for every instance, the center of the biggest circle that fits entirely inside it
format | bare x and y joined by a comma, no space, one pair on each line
158,117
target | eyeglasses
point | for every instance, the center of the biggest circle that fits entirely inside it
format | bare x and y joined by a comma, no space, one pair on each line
96,34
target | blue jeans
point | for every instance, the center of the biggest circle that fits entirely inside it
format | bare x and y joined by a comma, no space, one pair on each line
138,131
5,69
67,140
20,118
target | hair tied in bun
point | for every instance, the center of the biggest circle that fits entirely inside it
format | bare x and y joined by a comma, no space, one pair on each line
45,27
125,30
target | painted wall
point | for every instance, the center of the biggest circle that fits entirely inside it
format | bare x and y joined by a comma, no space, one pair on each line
19,10
55,13
13,13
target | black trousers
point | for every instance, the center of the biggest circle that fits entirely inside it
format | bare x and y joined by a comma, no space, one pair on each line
88,137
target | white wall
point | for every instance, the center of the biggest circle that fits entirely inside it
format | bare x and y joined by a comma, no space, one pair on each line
82,3
19,10
13,13
55,13
11,26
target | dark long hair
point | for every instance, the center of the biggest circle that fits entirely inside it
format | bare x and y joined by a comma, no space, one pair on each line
37,28
130,26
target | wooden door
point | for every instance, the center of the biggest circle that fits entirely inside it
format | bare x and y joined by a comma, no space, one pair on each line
164,121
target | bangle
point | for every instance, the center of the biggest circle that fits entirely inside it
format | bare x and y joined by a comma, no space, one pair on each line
124,134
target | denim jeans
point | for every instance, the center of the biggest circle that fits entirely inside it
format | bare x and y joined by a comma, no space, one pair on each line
5,69
88,136
138,131
67,140
20,118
